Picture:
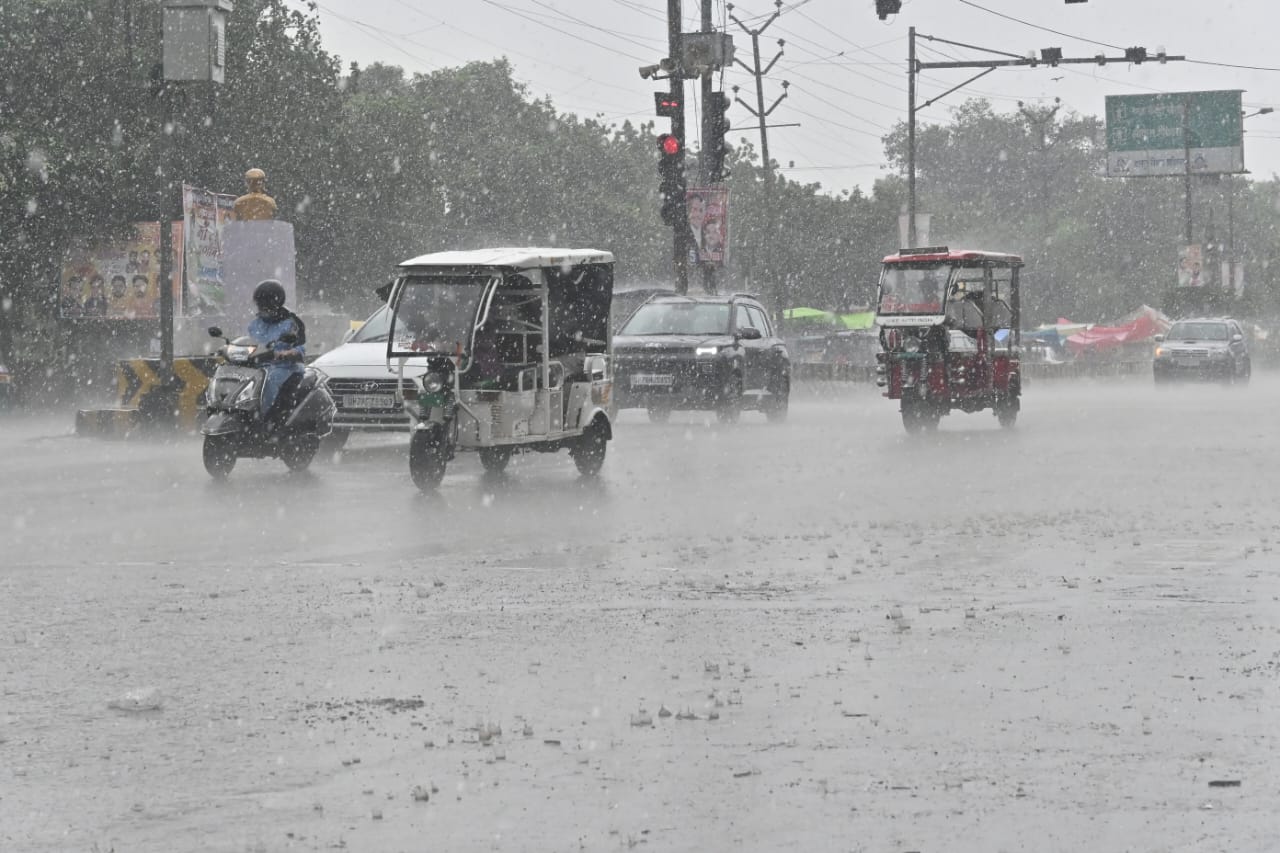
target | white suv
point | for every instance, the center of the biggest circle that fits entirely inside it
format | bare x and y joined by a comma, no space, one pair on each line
362,385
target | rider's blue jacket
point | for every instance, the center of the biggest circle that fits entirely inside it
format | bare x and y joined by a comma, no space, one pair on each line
277,371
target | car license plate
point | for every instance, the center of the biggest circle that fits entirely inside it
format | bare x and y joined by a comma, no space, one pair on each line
1187,362
368,401
661,379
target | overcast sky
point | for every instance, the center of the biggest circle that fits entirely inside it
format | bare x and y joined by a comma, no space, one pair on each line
847,69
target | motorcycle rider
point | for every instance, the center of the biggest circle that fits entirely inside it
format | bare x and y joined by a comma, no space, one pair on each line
285,370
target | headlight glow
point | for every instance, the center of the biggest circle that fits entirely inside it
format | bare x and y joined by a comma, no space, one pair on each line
238,353
1159,352
707,350
432,383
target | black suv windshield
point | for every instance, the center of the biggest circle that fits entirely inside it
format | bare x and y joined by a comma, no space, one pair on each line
1198,332
679,318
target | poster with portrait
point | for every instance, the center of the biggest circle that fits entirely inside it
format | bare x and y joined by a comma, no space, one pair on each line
709,223
204,216
113,280
1190,267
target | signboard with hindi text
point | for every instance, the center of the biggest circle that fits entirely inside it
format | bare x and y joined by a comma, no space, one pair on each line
1159,135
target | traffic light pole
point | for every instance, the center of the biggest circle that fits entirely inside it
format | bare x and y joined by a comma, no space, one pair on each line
1051,57
680,228
708,132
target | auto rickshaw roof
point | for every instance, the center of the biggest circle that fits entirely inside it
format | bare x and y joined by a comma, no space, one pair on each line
514,258
942,254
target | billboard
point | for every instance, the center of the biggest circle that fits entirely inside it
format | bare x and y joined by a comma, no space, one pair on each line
114,280
708,209
1174,132
204,216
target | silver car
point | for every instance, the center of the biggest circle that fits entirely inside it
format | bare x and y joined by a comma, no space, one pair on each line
1203,348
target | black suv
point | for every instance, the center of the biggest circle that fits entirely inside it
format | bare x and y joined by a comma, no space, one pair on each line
1206,348
701,352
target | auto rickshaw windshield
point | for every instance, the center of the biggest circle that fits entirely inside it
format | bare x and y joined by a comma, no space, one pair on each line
913,288
436,314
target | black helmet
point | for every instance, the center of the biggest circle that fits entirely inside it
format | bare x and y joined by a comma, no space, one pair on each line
269,295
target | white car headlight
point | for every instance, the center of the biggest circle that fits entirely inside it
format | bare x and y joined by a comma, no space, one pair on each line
707,350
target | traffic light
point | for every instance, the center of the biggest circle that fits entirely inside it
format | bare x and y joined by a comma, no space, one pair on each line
717,126
671,187
666,104
885,8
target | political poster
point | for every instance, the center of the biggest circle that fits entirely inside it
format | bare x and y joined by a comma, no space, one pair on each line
708,209
204,218
117,280
1191,267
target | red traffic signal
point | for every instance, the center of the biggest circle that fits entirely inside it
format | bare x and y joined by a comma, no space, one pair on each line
667,106
669,144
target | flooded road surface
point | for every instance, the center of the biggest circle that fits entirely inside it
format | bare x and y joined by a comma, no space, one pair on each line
822,635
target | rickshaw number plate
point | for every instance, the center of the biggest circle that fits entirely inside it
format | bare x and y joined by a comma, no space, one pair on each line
664,379
368,401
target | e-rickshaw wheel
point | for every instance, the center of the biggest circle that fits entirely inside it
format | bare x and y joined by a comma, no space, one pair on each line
589,454
427,459
1007,413
918,414
495,459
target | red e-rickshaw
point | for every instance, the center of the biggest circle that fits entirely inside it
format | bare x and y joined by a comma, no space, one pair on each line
949,334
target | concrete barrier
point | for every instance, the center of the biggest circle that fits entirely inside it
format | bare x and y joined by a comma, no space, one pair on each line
806,373
107,423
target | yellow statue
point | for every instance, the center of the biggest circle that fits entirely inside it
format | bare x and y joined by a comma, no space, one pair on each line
255,204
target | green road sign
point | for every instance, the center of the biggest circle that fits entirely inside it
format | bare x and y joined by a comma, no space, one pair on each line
1153,135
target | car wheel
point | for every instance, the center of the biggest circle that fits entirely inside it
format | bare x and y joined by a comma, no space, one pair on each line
779,401
589,454
335,440
729,406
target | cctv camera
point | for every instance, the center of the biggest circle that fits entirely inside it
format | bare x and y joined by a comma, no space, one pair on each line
647,71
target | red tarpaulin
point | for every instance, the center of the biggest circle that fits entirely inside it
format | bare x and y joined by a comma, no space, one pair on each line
1142,325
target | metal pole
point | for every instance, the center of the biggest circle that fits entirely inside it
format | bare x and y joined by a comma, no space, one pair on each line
708,270
1231,234
680,236
911,136
169,165
1186,163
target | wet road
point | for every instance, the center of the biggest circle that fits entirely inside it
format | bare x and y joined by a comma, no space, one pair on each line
1051,638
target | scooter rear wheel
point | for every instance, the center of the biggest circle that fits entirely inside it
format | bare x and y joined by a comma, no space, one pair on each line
219,456
297,452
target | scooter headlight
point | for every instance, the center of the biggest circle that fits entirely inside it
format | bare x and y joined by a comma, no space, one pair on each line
236,352
433,383
911,344
246,394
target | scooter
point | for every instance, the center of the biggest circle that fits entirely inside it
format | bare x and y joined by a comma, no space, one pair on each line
235,428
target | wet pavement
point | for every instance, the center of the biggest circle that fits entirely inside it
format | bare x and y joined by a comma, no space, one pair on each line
821,635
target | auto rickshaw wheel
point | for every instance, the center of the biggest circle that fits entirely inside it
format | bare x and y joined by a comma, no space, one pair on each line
1007,413
589,454
219,455
729,406
919,414
427,459
495,459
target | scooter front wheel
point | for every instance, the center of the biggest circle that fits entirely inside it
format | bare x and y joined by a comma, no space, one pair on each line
427,459
219,455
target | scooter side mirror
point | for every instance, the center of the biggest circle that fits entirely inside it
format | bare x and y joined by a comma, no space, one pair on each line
215,332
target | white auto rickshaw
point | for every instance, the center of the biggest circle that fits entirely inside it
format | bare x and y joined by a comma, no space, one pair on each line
519,350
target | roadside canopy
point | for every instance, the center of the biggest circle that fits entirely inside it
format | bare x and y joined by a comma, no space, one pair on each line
1141,325
858,320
